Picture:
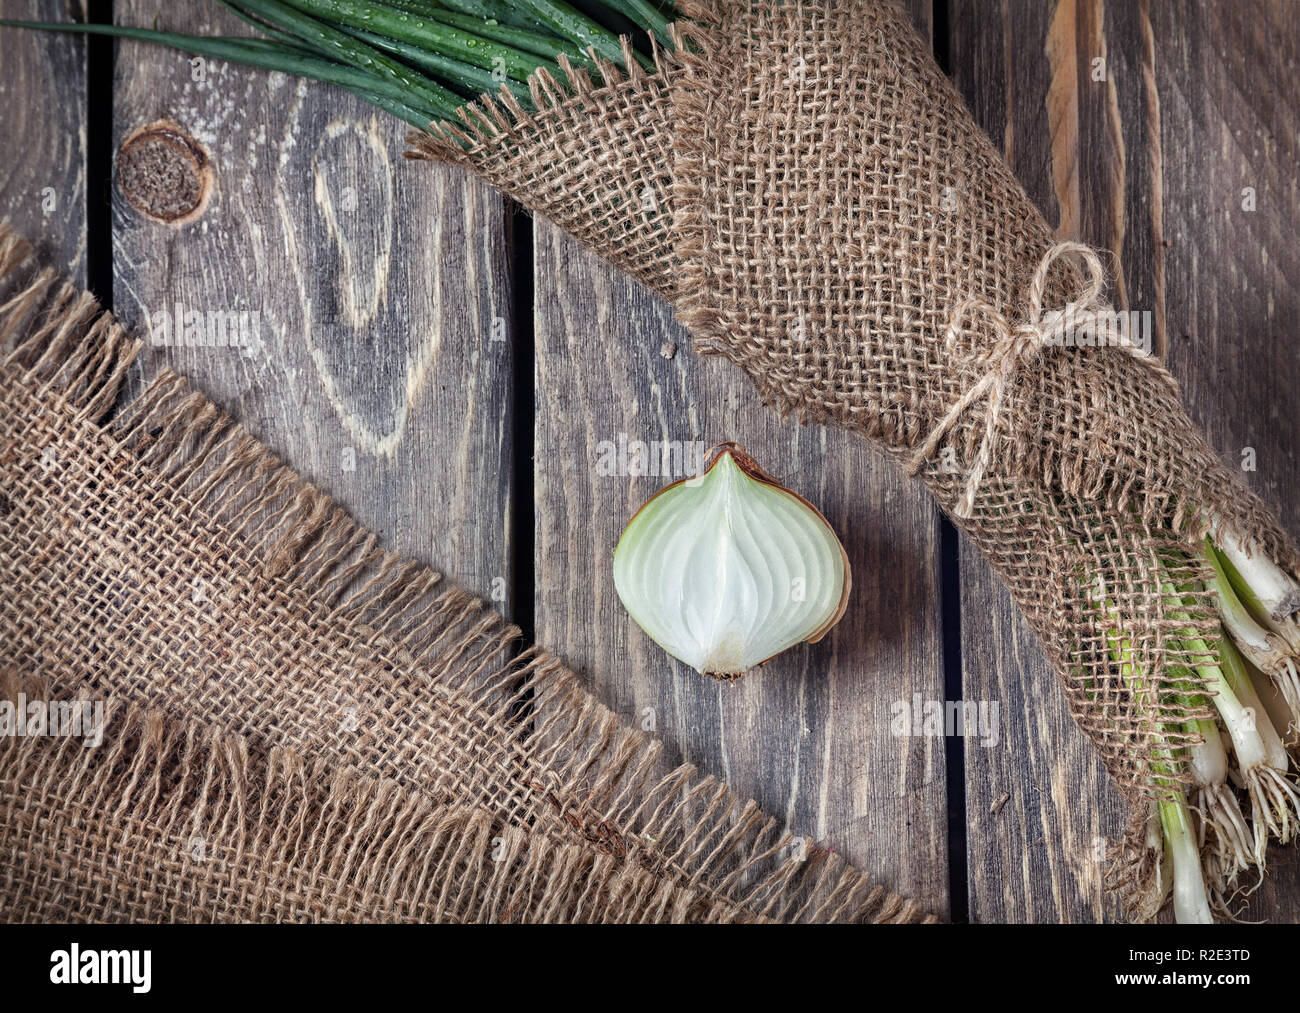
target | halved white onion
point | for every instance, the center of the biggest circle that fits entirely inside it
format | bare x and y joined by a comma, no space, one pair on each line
726,570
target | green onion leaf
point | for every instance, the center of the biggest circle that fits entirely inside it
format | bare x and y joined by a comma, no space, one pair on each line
428,34
345,49
269,56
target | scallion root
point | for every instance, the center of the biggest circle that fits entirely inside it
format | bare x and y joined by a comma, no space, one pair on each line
1226,836
1274,806
1287,680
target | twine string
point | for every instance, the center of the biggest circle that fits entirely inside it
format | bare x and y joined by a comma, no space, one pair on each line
1016,347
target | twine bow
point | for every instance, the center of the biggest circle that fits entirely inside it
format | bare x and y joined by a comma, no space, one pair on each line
1015,348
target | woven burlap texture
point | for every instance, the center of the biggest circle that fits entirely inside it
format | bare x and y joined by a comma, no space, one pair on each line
830,203
306,727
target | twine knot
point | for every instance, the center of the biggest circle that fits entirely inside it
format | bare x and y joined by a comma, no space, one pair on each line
1016,347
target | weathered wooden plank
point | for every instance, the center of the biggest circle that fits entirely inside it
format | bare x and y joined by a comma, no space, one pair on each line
1230,119
376,288
43,131
1148,161
378,329
809,735
1038,802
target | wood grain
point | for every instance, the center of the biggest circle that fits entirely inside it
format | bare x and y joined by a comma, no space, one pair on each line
378,283
1037,802
1147,163
1228,81
388,376
808,736
43,131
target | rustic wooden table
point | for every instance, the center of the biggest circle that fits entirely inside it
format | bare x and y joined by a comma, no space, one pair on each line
446,368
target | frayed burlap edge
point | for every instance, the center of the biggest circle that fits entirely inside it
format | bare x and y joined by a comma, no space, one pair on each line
275,838
1164,496
584,779
1173,491
618,205
1126,499
664,248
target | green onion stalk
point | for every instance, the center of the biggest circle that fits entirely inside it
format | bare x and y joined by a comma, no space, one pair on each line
1172,833
422,60
1249,673
1261,760
1225,836
1253,601
1197,834
1273,797
1270,589
1274,705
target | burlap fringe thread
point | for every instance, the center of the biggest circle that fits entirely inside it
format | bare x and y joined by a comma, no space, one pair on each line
218,835
226,734
606,177
798,154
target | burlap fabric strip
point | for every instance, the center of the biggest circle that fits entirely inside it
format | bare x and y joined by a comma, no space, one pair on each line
304,726
170,820
825,209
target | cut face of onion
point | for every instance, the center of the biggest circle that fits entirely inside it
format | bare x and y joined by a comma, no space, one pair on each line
726,570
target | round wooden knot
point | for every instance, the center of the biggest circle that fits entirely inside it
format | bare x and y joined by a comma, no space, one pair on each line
164,173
